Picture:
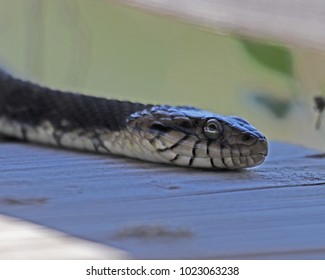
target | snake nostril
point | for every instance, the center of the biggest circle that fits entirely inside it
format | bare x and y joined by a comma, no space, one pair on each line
246,138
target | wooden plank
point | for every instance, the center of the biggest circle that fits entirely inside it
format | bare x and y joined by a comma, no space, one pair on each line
295,22
24,240
158,211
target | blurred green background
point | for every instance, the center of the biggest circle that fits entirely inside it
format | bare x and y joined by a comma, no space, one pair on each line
106,49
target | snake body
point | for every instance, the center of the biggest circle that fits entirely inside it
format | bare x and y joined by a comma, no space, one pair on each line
178,135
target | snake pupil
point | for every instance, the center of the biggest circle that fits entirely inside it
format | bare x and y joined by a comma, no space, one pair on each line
212,127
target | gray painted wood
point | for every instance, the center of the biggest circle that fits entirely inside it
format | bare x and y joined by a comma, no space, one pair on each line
152,211
21,240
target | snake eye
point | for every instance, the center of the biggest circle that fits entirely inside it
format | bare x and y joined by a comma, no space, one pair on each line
212,129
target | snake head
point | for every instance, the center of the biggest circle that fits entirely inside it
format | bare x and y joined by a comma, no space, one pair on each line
188,136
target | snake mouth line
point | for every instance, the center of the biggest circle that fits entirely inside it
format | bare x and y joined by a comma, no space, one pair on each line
262,154
228,162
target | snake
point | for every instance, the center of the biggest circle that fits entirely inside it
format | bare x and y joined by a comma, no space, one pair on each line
177,135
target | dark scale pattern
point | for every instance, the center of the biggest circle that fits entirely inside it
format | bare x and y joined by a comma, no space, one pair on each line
31,104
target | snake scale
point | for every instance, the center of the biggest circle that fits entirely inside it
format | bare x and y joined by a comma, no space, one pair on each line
178,135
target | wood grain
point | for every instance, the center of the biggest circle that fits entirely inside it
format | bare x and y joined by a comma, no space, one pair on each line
154,211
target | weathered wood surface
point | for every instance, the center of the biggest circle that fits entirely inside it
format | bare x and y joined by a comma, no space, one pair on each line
151,211
296,22
24,240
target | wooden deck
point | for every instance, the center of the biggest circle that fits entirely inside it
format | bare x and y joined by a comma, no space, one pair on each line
24,240
154,211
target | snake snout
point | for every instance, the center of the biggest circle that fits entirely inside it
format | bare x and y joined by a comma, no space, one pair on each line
259,151
261,147
252,147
